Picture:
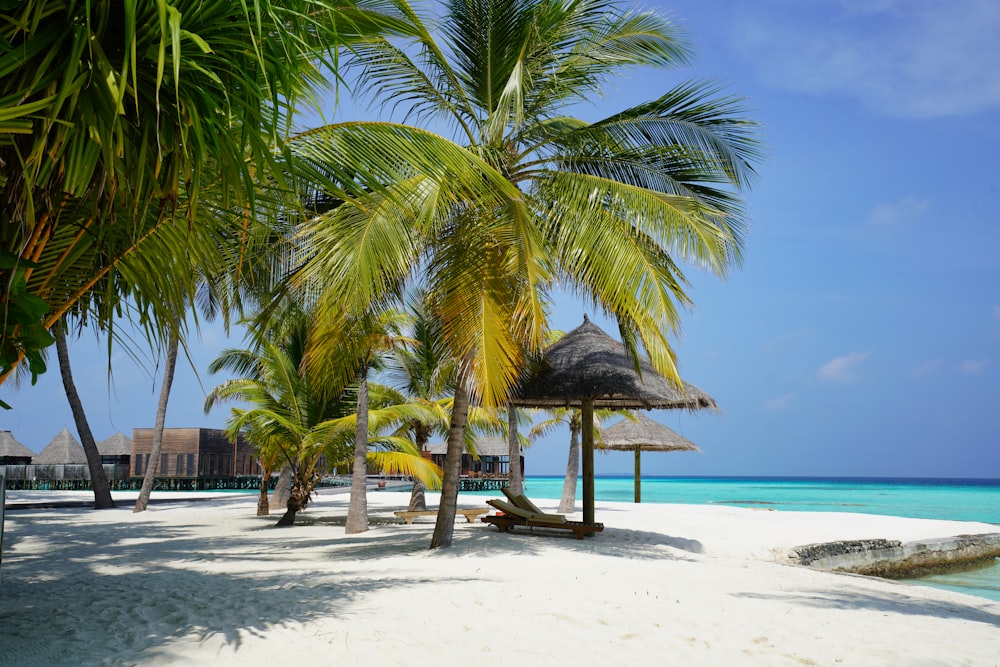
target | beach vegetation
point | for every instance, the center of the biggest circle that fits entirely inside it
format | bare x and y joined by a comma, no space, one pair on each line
301,415
484,187
135,132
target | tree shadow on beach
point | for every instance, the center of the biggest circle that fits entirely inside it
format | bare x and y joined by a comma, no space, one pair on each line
76,593
852,597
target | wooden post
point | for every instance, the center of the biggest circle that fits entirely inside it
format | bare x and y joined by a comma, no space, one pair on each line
638,475
587,449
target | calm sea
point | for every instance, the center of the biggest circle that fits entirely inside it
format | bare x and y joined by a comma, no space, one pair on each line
956,499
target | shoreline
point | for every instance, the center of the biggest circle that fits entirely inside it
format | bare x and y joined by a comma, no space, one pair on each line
210,583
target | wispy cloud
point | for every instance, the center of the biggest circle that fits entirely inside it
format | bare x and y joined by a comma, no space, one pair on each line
915,58
777,404
972,366
927,369
903,211
843,369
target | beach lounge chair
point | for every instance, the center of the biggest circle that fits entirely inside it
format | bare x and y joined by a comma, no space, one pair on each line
470,513
515,515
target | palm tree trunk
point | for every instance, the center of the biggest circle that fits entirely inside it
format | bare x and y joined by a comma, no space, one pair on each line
161,417
102,491
357,511
514,450
418,501
263,506
568,503
296,502
445,525
282,489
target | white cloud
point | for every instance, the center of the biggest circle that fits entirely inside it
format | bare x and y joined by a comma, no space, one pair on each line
843,369
917,58
903,211
927,369
776,404
972,366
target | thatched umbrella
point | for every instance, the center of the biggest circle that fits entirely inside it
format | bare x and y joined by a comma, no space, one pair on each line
643,435
588,369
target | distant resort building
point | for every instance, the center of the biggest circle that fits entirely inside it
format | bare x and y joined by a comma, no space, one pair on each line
13,452
193,453
492,459
64,449
190,458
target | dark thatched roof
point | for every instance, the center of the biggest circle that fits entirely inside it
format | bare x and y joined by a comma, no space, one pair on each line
587,363
63,450
117,445
9,446
644,434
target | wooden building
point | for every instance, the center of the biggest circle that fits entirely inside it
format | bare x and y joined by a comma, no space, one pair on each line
193,452
492,459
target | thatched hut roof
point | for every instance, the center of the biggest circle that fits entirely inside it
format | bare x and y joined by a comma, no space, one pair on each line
486,445
117,445
63,450
643,434
587,363
10,447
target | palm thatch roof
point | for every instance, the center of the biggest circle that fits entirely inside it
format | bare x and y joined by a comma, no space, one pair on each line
486,445
117,445
9,446
63,450
588,363
643,434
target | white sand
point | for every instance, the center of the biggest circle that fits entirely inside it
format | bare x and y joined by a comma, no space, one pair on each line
209,583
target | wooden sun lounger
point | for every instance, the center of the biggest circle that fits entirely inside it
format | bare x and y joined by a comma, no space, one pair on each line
470,513
518,516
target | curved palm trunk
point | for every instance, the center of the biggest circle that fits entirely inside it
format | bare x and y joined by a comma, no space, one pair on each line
515,481
568,503
282,489
297,500
357,512
263,506
418,501
445,526
161,416
102,491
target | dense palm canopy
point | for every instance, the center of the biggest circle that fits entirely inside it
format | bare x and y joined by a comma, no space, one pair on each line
137,132
521,197
299,417
511,196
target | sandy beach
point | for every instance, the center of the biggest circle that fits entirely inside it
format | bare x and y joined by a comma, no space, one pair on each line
209,583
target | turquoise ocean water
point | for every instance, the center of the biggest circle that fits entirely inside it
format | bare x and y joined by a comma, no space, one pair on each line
954,499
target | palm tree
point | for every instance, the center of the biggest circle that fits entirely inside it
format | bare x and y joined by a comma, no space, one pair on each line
115,118
426,373
99,480
303,416
521,196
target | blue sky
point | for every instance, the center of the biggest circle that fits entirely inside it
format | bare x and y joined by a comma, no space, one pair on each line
862,335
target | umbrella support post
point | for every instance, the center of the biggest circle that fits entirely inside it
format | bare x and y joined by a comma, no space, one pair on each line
587,449
638,475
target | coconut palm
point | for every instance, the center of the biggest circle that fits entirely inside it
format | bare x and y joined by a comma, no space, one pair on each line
304,416
515,196
115,118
